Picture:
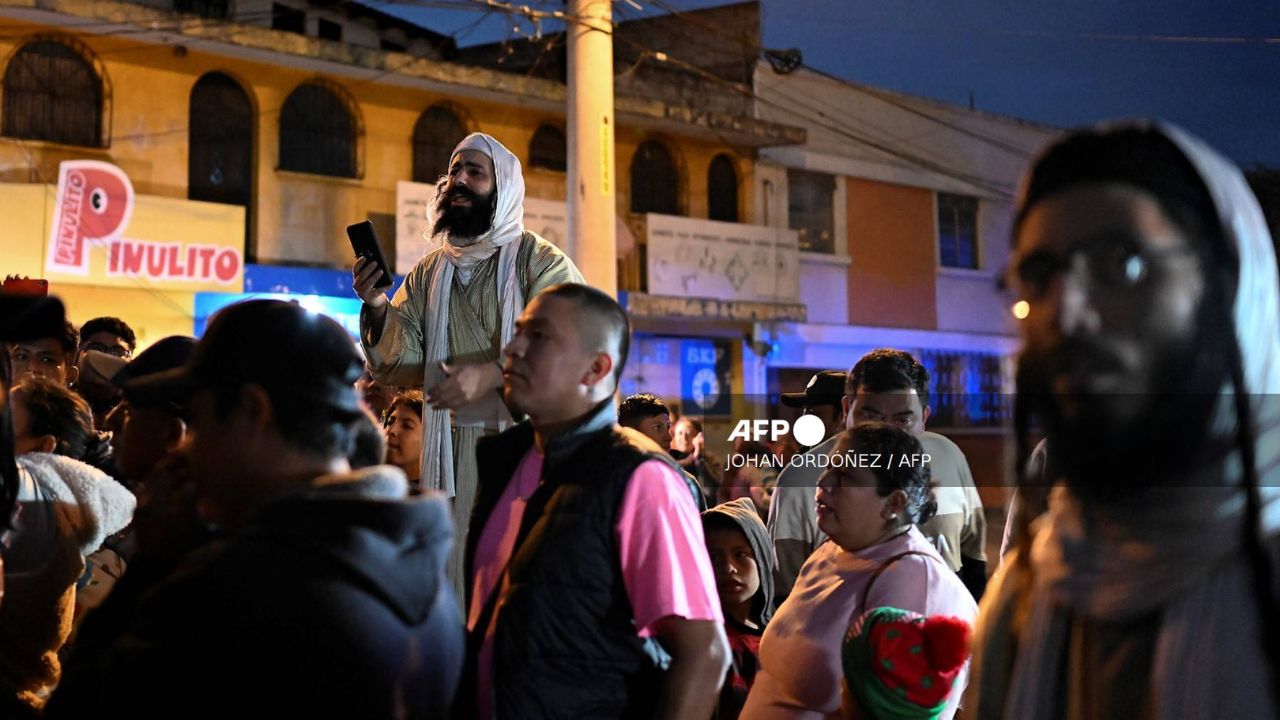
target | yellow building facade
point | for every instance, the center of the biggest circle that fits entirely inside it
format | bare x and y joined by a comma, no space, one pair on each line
149,61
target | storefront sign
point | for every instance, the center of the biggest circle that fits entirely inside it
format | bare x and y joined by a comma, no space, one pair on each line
695,258
102,234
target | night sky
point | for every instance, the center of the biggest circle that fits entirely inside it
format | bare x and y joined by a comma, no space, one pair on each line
1211,66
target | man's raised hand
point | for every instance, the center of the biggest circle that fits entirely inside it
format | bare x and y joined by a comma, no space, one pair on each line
365,280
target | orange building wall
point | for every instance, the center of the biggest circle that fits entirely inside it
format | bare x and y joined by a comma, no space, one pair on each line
892,276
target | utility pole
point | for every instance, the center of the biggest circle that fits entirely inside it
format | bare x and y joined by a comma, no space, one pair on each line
592,241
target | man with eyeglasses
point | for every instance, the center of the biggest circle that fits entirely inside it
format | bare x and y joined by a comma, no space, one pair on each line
110,336
889,386
1151,361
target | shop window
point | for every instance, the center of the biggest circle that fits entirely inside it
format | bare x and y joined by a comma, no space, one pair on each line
435,135
957,231
722,190
52,92
547,150
655,184
318,132
811,209
220,139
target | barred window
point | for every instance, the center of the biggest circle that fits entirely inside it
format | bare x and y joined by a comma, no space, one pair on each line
435,135
811,209
51,92
317,133
957,231
722,190
655,184
968,389
548,149
220,138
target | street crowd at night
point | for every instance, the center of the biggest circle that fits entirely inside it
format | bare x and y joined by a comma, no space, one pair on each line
461,515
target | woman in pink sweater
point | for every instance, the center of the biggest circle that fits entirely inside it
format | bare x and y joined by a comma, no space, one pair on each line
869,502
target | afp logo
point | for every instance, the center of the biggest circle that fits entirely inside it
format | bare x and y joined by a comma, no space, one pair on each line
808,430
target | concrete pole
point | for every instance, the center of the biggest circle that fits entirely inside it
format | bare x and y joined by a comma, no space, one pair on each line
592,241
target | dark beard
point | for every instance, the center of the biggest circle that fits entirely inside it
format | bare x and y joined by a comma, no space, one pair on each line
1104,461
464,221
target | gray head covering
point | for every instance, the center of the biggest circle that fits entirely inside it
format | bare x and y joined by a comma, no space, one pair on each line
1172,550
742,512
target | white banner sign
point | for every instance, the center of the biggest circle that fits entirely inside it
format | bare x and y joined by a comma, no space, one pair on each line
690,257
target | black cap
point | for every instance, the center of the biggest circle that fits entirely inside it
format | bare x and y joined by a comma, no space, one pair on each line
30,317
165,354
289,351
825,388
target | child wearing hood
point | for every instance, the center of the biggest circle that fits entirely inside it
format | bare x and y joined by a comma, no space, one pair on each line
743,560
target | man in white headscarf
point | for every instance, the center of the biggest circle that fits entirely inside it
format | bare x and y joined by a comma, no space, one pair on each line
1151,359
456,310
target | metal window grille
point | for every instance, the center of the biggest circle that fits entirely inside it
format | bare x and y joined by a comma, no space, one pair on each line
722,190
547,150
655,185
436,133
220,144
52,93
317,133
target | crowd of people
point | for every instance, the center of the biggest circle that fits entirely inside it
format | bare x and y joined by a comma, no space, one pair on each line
457,516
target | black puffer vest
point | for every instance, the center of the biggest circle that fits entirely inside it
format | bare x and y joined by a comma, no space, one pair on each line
566,643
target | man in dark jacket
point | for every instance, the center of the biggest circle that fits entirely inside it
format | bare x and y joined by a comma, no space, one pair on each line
325,596
591,593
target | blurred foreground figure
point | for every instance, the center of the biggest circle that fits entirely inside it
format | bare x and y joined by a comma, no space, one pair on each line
1152,361
325,595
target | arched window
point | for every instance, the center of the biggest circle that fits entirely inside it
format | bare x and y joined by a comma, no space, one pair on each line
220,142
722,190
655,186
220,166
318,132
547,149
436,133
51,92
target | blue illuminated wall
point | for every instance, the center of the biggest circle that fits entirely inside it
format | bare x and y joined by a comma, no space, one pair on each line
327,292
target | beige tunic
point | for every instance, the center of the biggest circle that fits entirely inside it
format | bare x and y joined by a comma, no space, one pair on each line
396,356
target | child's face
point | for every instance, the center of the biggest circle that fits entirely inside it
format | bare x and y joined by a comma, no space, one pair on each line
737,578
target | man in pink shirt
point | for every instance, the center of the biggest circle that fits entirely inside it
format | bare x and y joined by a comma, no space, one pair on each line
590,591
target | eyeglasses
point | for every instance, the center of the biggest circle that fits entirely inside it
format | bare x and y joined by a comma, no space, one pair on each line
1115,265
116,350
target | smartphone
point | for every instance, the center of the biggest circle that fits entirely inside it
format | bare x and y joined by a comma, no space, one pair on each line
33,287
364,241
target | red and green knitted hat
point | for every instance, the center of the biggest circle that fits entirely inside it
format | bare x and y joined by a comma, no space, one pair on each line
901,666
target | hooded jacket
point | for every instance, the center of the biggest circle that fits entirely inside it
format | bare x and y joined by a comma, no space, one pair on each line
742,512
66,510
329,602
1168,563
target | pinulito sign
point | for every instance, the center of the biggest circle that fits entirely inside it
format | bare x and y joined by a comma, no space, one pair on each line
94,204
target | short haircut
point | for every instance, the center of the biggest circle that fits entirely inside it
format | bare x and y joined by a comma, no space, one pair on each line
636,408
912,478
68,339
412,399
607,312
55,410
113,325
887,370
696,424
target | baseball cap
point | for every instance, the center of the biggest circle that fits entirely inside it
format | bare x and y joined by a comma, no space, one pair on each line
824,388
296,355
